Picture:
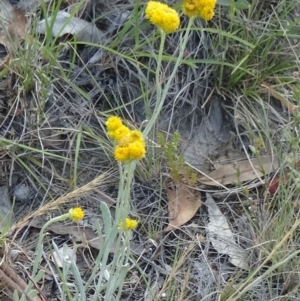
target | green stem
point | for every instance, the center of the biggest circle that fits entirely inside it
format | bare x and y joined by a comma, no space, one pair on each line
161,95
40,242
158,79
120,264
126,178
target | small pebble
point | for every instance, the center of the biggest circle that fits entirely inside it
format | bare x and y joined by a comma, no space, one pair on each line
22,192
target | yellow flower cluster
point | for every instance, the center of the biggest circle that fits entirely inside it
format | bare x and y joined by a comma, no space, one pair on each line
76,214
202,8
128,224
130,143
162,15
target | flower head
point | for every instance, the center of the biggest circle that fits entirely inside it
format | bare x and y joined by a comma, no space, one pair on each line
76,214
119,133
133,151
201,8
131,137
130,143
137,150
128,224
136,135
113,123
162,15
122,154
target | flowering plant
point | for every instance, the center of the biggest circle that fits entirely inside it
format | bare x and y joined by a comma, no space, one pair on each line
130,144
129,147
75,214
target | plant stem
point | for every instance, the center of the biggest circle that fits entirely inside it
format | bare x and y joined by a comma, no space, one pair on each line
40,241
162,94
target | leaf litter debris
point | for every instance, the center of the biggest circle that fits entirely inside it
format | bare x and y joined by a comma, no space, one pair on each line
241,171
13,27
183,203
222,237
66,24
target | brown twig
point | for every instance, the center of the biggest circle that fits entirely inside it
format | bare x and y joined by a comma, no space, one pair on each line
9,277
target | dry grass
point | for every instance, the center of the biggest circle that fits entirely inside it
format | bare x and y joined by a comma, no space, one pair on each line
55,153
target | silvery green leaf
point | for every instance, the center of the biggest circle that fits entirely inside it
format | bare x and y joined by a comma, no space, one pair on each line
6,210
223,2
107,218
242,4
16,296
239,4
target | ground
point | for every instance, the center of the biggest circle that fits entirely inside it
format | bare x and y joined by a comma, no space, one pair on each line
216,196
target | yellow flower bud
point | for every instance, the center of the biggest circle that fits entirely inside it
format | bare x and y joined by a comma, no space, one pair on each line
128,224
113,123
76,214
